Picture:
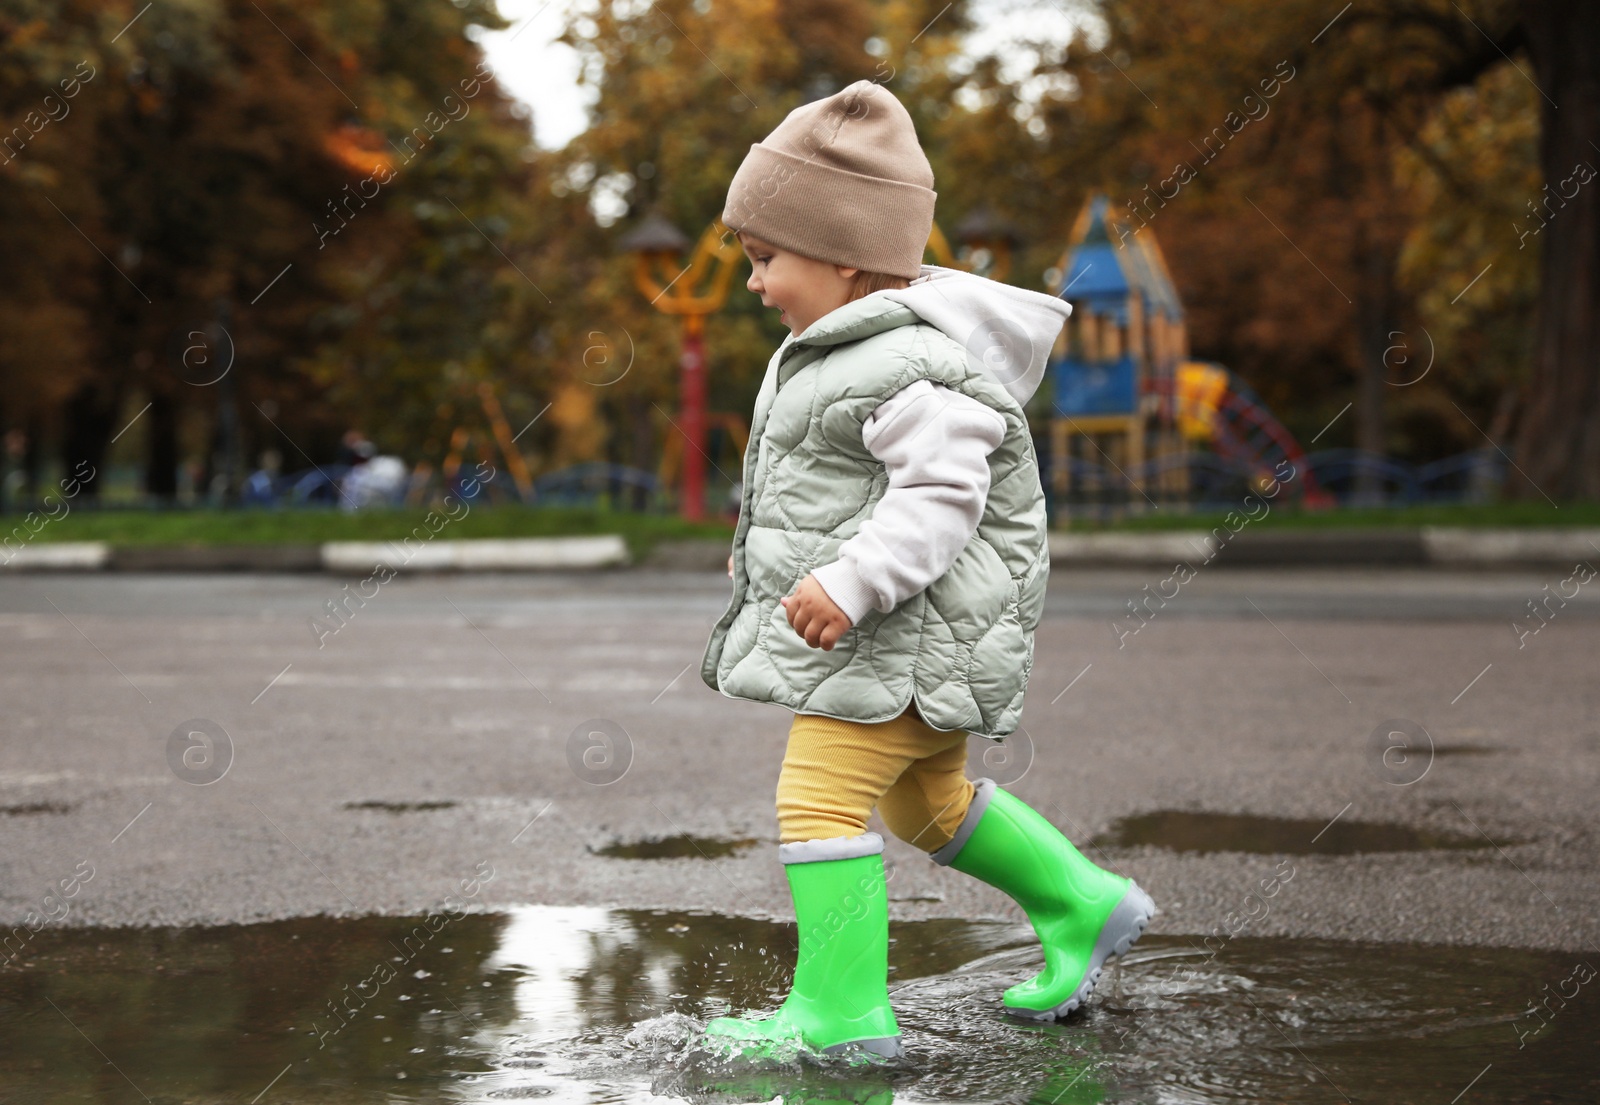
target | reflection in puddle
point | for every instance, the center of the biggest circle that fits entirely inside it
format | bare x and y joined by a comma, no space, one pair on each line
595,1005
1183,831
681,846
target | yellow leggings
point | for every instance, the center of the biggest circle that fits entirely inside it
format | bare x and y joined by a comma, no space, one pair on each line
835,772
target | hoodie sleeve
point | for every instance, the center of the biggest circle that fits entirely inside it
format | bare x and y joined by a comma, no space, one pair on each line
935,443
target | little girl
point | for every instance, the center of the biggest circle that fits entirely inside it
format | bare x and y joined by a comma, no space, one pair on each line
889,569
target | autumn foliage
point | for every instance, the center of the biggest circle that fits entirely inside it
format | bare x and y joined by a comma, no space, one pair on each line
1370,214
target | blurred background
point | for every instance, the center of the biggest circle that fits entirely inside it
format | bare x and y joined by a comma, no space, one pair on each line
281,270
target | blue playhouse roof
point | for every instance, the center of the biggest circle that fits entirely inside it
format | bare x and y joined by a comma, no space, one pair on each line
1103,274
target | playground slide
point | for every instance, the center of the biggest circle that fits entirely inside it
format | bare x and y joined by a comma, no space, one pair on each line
1217,407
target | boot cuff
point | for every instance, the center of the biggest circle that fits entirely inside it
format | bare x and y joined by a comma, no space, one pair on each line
833,847
983,791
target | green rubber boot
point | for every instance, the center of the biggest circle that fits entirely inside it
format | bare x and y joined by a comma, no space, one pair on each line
839,1003
1082,914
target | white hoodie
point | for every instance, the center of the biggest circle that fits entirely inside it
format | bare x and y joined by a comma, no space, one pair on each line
935,441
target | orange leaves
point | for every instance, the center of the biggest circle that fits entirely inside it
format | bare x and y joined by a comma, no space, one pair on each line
359,150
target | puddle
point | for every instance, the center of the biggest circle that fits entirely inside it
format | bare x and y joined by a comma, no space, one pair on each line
23,809
681,846
592,1005
1183,831
400,807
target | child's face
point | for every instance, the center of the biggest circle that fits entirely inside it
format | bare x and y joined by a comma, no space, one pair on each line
803,288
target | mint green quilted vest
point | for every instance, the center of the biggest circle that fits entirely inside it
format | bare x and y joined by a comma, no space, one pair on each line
963,647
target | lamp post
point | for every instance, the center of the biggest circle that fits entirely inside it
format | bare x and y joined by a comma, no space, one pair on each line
656,246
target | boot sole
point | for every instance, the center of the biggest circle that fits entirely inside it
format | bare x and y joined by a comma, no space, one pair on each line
1125,925
885,1047
888,1047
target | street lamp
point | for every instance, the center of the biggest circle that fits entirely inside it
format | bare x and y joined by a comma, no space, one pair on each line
656,246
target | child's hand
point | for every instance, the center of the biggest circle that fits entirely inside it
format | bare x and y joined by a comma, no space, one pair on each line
730,565
814,615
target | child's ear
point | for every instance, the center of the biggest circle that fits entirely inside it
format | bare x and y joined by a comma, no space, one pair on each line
845,272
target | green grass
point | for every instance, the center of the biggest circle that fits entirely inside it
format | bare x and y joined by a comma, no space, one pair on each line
1284,516
267,527
643,531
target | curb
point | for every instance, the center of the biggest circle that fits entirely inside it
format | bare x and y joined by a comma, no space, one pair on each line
1418,547
69,556
511,554
1343,548
485,555
1566,545
214,558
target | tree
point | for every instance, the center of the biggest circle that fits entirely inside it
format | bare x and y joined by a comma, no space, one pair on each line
222,167
1557,444
1300,247
1558,441
47,352
683,90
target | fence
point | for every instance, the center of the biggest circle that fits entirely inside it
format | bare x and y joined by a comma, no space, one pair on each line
1204,482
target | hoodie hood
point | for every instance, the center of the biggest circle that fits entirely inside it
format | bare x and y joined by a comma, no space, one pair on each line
1008,330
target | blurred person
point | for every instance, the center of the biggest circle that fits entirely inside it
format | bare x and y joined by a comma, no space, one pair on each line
14,475
260,486
349,453
372,480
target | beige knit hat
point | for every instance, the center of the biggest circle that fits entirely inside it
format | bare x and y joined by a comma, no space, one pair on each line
841,179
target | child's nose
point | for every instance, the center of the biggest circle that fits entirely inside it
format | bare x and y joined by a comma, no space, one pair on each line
753,284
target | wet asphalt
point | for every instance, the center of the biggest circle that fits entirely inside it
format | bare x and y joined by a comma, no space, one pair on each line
437,750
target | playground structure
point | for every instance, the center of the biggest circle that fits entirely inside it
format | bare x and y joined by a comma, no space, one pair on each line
1134,420
1217,408
669,471
1126,392
692,292
1133,417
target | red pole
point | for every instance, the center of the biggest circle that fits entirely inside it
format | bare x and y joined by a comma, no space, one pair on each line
692,388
